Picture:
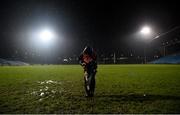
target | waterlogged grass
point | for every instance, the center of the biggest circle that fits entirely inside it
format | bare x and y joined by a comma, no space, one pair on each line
119,89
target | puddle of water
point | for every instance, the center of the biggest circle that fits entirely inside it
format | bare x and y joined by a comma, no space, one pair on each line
53,91
34,93
48,82
40,99
46,88
44,91
41,94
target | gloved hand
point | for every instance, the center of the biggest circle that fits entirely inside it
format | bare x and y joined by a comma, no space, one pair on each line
83,64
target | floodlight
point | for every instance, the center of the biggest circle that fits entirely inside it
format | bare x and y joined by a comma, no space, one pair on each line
46,36
146,30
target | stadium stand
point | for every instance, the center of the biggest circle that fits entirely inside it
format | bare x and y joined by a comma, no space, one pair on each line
12,63
172,59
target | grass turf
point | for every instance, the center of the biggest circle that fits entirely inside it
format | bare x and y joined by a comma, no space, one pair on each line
119,89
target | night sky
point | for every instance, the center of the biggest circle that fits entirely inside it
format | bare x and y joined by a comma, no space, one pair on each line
107,26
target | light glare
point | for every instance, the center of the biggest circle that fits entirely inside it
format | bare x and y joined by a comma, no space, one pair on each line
146,30
46,36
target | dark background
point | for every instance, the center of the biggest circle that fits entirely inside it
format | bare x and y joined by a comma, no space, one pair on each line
108,26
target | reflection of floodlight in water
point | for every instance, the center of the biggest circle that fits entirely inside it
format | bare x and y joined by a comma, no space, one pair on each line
46,36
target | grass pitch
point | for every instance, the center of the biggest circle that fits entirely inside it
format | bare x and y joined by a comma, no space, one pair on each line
119,89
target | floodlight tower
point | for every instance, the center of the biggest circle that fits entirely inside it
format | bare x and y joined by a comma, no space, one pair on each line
46,38
146,32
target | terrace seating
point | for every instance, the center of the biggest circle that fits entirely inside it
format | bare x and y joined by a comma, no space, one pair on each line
173,59
14,63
